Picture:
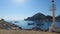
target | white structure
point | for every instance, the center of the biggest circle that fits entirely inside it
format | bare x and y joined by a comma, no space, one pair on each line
53,13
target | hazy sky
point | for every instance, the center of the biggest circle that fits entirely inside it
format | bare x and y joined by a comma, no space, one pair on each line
20,9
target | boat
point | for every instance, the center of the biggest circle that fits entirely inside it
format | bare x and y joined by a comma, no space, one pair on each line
30,23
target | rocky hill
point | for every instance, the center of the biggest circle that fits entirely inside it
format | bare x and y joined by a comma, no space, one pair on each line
39,17
6,25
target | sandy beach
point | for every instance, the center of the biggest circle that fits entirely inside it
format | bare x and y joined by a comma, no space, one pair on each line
23,32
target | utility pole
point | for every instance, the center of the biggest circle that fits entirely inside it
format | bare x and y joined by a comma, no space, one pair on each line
53,14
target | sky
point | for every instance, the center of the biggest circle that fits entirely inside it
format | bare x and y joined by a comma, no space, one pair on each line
21,9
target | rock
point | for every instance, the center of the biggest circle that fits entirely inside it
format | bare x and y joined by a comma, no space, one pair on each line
7,25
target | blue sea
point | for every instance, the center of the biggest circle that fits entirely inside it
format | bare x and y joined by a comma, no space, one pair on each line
25,24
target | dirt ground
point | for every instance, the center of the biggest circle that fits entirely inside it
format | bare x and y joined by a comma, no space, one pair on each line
23,32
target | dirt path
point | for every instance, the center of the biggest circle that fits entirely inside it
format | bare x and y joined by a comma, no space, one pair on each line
23,32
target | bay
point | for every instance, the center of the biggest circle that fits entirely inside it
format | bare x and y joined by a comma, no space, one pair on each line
24,24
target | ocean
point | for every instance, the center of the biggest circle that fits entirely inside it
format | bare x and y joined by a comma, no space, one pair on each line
32,24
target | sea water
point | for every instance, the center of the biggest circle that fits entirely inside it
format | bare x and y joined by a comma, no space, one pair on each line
24,24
